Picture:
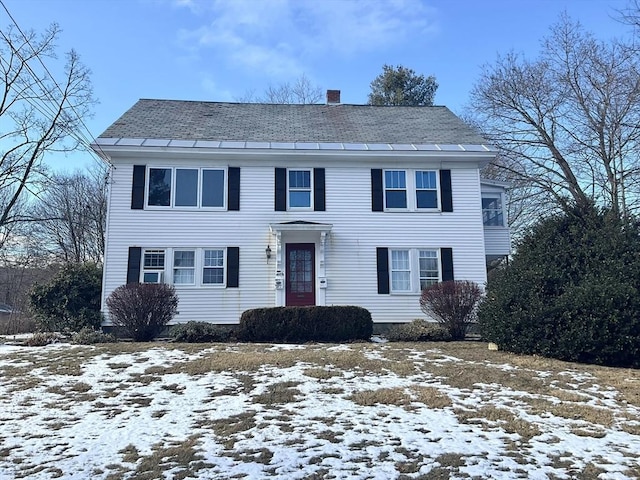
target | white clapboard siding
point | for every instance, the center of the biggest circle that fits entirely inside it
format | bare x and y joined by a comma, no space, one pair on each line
350,248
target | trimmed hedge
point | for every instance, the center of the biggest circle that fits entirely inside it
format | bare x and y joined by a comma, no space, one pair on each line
418,331
305,324
199,332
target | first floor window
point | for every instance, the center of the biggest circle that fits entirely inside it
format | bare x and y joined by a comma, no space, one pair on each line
184,267
400,271
213,267
153,266
429,271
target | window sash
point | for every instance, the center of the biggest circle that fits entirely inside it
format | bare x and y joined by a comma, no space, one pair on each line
159,192
186,193
212,187
426,189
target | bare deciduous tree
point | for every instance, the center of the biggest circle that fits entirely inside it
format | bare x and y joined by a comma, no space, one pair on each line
38,113
302,91
70,217
568,122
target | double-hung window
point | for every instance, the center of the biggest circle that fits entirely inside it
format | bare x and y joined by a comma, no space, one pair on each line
184,267
492,212
299,186
426,189
411,269
395,189
400,271
213,267
428,265
410,189
186,187
153,266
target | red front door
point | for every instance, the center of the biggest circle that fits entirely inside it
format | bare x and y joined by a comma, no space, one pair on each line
300,285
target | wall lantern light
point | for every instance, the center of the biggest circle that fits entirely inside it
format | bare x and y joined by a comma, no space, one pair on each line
267,252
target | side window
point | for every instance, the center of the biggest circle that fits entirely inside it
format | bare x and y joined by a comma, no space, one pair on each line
426,189
395,189
492,213
213,267
159,187
400,271
299,186
184,267
153,266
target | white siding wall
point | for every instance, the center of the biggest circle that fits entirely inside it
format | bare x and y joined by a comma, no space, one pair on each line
351,246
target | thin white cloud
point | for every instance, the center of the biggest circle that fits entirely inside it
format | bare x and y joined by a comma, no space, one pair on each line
277,37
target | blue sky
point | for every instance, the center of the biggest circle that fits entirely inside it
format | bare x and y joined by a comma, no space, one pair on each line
220,50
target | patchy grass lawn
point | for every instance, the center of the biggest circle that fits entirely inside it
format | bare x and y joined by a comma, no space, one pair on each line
374,411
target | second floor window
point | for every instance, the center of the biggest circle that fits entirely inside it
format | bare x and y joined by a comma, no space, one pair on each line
410,189
492,212
186,187
299,188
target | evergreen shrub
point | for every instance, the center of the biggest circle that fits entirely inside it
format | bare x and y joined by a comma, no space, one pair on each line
305,324
199,332
570,292
417,331
70,301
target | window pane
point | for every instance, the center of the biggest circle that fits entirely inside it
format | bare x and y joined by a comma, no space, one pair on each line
151,277
154,259
299,199
492,212
429,271
186,187
183,276
184,258
299,179
399,260
159,187
400,281
396,199
395,179
426,180
213,275
427,198
213,258
213,188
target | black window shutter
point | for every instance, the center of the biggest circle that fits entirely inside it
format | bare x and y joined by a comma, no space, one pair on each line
377,200
233,266
446,197
281,190
383,269
233,189
137,187
446,261
133,265
318,190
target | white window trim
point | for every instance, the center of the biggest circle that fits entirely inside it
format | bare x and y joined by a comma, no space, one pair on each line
411,190
311,189
172,199
414,263
159,271
502,205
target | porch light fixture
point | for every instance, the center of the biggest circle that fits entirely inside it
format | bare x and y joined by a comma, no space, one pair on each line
267,252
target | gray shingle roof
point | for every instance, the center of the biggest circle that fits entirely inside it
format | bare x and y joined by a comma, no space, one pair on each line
194,120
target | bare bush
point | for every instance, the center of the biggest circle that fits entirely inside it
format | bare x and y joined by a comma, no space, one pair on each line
452,304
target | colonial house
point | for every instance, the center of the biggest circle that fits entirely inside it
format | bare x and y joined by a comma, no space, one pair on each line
242,205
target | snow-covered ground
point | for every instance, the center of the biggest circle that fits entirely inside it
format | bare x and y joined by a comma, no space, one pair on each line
82,412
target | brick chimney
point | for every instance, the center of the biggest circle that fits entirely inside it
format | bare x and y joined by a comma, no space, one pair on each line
333,97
